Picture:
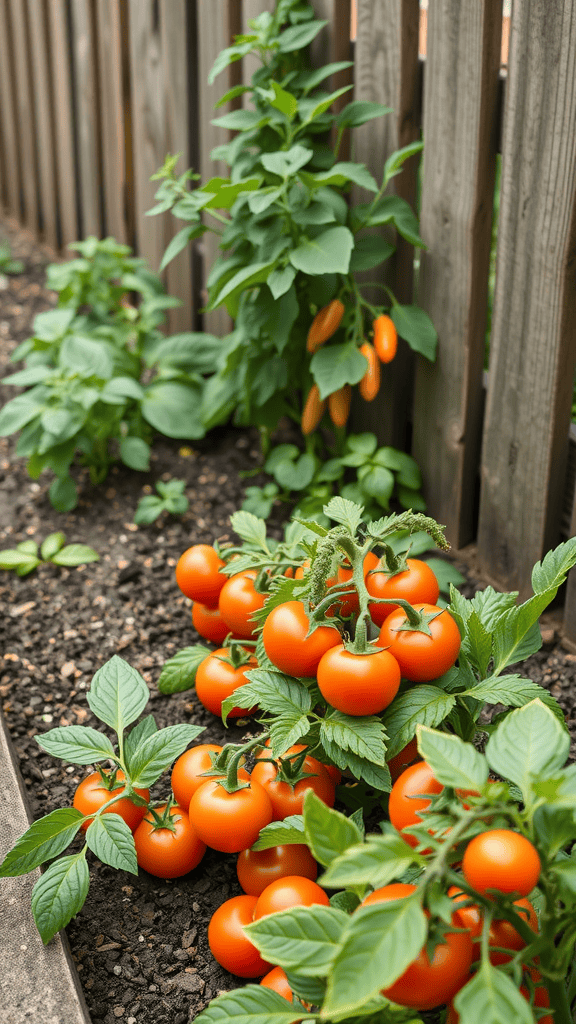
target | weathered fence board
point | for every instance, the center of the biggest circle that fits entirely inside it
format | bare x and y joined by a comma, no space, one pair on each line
10,155
61,85
533,346
44,119
87,116
460,113
109,33
24,112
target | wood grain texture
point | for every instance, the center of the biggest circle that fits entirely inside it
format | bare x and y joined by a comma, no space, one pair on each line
87,116
25,113
113,148
460,117
533,346
177,96
10,154
386,71
45,137
148,125
61,71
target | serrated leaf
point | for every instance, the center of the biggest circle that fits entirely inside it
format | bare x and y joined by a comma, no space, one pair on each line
381,940
147,727
303,938
118,694
44,840
377,776
328,832
249,528
75,554
424,704
278,693
517,633
530,741
110,839
378,861
253,1004
285,730
345,512
453,762
280,833
492,997
179,673
554,567
159,750
477,643
59,894
514,691
79,744
364,736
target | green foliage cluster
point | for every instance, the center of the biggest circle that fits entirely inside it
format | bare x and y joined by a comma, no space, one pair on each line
170,498
26,556
7,264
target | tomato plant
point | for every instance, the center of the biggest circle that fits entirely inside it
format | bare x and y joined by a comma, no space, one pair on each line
422,656
197,574
228,942
501,860
416,584
405,801
98,789
256,869
167,844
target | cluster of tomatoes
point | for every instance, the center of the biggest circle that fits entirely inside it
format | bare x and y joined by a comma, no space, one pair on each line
324,325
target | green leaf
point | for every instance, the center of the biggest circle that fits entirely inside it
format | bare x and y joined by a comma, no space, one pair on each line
453,762
285,163
148,509
194,351
554,567
176,245
59,894
515,691
135,453
52,543
274,692
228,193
381,940
63,494
424,704
229,55
530,741
307,80
416,327
339,174
11,559
110,839
239,120
118,694
253,1004
283,101
280,281
323,105
364,735
333,366
75,554
173,409
263,199
246,278
296,476
52,324
369,252
44,840
155,753
298,36
287,729
378,483
492,997
78,744
86,356
394,210
18,412
31,375
328,253
395,161
359,112
249,528
145,728
304,938
122,387
281,833
376,862
328,833
345,512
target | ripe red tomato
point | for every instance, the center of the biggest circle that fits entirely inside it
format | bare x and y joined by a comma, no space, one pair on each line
349,605
238,600
421,657
209,623
197,574
286,799
256,869
404,803
287,892
276,980
358,684
501,932
216,680
286,643
428,983
407,756
503,860
92,794
188,772
164,853
230,822
228,943
334,773
415,584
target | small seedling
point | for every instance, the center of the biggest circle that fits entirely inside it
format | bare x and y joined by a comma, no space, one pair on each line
170,498
7,264
24,558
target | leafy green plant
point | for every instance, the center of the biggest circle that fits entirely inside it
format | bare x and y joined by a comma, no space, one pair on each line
26,557
7,264
170,498
99,381
291,244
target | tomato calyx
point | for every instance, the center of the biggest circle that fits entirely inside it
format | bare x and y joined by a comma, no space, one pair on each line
238,653
109,779
289,767
166,819
229,761
416,621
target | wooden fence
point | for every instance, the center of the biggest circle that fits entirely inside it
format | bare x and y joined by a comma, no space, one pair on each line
93,93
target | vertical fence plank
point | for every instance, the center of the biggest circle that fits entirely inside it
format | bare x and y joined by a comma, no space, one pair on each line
8,118
533,341
386,71
147,125
460,117
25,112
178,94
60,65
44,119
214,27
112,118
87,117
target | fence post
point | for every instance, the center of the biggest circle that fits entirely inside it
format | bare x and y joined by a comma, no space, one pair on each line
533,345
25,126
60,64
88,129
110,59
11,161
44,120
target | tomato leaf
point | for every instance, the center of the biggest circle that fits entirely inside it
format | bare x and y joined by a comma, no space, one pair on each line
250,529
118,694
363,735
179,672
424,703
277,693
253,1004
60,893
554,567
303,938
530,741
281,833
376,862
377,946
44,840
345,512
328,832
147,727
515,691
453,762
79,744
310,989
492,997
110,839
159,750
286,730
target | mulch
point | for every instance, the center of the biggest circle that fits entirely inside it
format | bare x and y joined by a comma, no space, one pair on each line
139,944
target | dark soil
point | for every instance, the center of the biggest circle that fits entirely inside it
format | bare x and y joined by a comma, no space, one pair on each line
139,944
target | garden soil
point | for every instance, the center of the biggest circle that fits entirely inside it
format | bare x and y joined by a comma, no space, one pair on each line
139,944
